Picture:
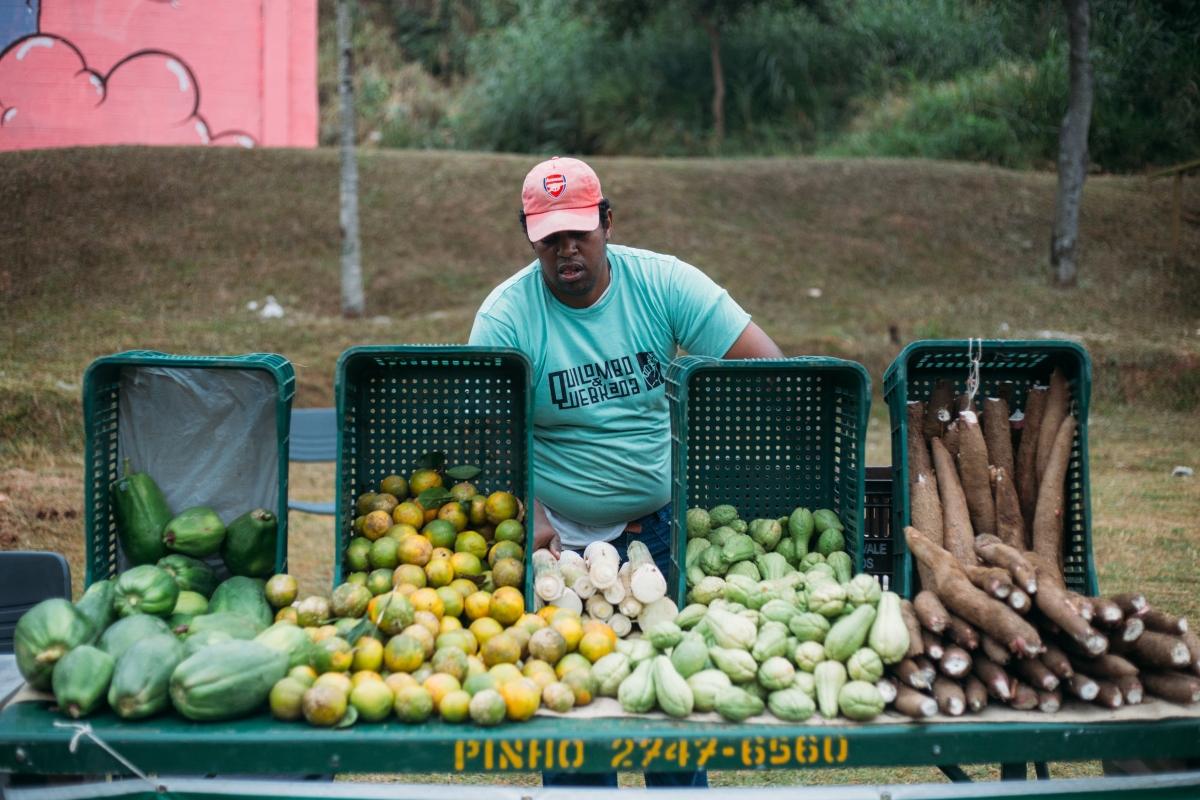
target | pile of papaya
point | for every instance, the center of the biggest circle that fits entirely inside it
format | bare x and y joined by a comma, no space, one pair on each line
150,532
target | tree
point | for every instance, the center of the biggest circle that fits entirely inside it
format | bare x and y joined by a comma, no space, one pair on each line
1072,147
714,16
352,285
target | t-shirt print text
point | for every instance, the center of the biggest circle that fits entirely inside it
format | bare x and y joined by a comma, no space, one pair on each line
589,384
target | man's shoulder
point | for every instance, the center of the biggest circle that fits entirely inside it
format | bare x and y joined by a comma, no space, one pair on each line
520,288
646,260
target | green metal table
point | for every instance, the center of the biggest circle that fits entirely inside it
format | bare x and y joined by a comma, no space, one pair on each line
35,740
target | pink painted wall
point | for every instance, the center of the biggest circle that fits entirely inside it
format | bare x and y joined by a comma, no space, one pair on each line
222,72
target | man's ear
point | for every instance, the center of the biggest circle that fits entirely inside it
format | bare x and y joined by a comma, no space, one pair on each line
608,227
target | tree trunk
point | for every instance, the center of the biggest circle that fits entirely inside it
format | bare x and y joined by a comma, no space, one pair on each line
352,284
718,78
1072,147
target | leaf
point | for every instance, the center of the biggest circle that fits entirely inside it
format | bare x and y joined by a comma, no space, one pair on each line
463,472
436,497
434,459
360,630
349,718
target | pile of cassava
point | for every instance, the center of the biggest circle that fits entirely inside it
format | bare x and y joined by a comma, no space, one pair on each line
994,617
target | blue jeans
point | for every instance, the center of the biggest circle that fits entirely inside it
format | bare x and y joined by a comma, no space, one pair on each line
656,535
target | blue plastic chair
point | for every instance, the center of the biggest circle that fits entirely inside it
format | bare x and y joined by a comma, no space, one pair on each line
26,579
313,439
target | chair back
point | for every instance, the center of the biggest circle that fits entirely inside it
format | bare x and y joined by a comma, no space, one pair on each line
26,579
313,435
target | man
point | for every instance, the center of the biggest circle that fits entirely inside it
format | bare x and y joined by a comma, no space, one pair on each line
599,322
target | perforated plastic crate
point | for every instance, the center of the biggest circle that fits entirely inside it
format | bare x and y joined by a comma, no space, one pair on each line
267,375
396,403
1021,364
766,436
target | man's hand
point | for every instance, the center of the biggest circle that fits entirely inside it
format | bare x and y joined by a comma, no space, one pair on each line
543,532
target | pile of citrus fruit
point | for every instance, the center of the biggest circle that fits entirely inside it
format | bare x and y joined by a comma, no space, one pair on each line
414,652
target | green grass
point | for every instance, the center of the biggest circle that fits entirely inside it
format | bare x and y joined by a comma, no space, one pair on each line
112,249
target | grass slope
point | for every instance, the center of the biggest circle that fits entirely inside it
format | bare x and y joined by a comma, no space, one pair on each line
111,249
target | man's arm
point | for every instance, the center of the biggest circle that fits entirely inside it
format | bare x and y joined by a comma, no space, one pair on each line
754,343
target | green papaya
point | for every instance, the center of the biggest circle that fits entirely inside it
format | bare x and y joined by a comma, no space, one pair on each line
124,633
245,596
141,513
290,640
81,679
192,574
141,679
145,590
226,680
97,606
191,603
238,626
249,546
199,641
195,531
46,633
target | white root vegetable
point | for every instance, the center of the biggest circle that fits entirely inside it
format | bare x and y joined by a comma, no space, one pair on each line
570,557
547,579
601,551
639,555
648,583
542,558
620,624
598,607
615,593
630,606
568,599
603,574
572,571
661,610
583,587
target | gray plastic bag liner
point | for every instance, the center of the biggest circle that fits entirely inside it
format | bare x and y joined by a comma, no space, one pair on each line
206,436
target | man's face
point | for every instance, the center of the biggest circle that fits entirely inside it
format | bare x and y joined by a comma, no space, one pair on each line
575,264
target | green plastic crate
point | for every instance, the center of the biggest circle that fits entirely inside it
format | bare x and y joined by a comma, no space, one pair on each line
394,404
101,404
1021,363
767,435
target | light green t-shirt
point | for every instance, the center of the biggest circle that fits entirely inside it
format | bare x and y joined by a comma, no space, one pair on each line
602,427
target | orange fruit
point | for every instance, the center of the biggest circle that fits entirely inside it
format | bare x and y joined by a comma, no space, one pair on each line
598,625
521,698
400,680
463,586
368,654
503,648
466,564
547,645
463,491
442,553
453,513
409,513
423,637
410,574
477,604
364,675
401,530
452,602
531,622
376,524
373,700
428,621
424,479
471,542
448,623
595,645
461,638
547,612
415,550
485,628
439,572
582,684
570,629
477,512
384,502
508,572
413,704
571,662
499,507
394,485
440,533
427,599
505,550
338,680
503,673
455,706
439,684
510,531
539,672
403,653
507,605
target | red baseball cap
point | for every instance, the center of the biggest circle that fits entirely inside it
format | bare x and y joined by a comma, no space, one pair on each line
562,194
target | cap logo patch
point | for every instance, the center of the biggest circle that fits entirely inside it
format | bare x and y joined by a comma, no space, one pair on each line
555,184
